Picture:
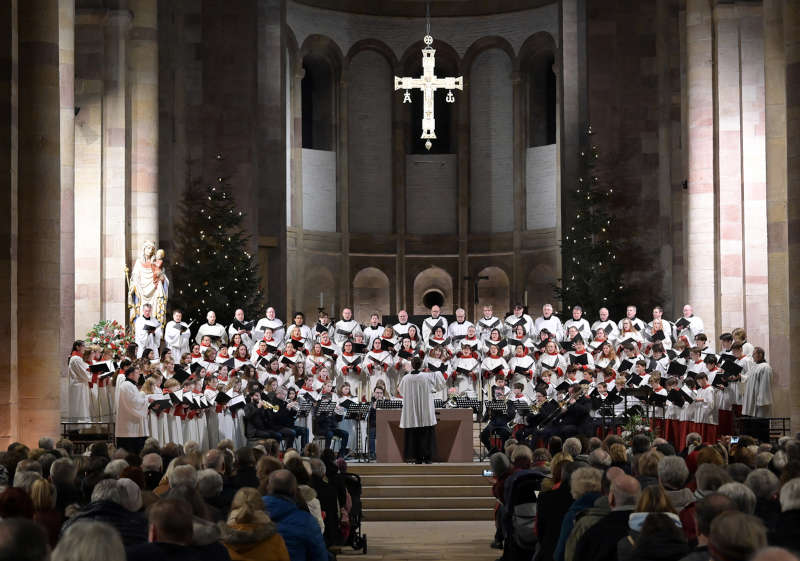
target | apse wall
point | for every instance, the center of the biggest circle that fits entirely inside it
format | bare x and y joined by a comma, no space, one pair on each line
372,201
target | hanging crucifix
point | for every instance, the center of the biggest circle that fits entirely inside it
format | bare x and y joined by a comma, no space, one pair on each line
428,83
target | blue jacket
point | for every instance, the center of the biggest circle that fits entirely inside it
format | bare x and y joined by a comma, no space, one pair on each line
298,529
568,522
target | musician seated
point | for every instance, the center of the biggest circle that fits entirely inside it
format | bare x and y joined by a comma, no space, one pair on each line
326,424
283,420
498,420
256,421
574,418
541,410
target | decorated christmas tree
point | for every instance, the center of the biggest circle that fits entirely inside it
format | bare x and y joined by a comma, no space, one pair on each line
213,269
590,249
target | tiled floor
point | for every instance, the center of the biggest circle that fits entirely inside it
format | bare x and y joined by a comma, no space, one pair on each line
426,541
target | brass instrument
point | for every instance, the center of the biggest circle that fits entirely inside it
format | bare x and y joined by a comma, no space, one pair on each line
266,405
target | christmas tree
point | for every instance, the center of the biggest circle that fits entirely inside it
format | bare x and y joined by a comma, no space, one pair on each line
213,269
592,275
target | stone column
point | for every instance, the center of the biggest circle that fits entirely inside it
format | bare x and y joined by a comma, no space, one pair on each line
115,167
345,295
9,150
701,215
729,168
39,290
142,62
791,37
517,286
66,62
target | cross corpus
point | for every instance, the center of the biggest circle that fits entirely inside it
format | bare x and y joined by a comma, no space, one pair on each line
428,83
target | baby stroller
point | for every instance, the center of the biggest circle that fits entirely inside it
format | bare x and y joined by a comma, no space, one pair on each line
356,539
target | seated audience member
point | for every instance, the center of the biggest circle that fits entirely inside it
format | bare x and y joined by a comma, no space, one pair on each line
774,554
709,478
705,511
765,486
599,543
106,506
297,527
735,536
786,529
62,475
153,467
592,515
655,530
584,486
89,541
740,494
249,534
23,539
170,534
245,469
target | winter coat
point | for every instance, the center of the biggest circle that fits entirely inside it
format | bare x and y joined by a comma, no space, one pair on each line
299,530
583,521
253,542
132,526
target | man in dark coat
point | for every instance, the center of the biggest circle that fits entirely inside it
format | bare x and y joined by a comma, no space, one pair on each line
599,543
785,533
551,508
106,507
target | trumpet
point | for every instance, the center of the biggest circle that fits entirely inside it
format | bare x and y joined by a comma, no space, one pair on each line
266,405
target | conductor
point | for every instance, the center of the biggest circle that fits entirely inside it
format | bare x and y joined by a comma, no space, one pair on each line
418,417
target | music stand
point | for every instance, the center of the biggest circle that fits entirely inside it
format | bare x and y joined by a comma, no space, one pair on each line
439,404
359,412
305,407
389,404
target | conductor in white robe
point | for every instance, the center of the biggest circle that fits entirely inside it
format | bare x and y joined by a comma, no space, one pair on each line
177,336
418,417
147,331
132,407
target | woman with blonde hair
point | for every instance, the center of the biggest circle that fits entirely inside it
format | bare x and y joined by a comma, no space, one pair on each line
665,541
43,496
249,534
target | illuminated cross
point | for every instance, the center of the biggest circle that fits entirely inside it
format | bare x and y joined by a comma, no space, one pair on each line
428,83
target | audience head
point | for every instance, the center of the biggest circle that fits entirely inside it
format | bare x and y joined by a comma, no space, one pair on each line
23,540
106,490
152,462
740,494
25,479
738,471
625,491
648,463
654,499
640,444
774,554
522,456
88,540
585,480
735,536
672,472
790,495
214,459
114,468
572,446
708,508
710,477
247,507
618,454
130,494
499,463
183,475
209,483
170,521
599,458
15,503
282,482
43,495
63,472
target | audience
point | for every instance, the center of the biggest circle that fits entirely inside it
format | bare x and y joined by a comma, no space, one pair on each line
249,534
89,541
786,532
22,540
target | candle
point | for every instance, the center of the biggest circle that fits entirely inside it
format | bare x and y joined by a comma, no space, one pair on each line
525,298
321,299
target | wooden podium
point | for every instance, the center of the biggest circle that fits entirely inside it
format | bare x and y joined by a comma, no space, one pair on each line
453,435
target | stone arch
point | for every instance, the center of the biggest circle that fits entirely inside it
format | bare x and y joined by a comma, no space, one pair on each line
319,280
372,45
321,61
537,60
370,294
429,282
483,44
496,290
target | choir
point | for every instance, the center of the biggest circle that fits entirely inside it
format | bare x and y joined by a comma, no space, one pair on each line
294,381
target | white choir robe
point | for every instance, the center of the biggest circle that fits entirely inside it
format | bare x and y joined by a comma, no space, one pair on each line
583,327
240,439
174,427
372,333
457,331
758,391
649,337
689,332
430,324
213,331
345,372
512,321
315,363
747,364
552,324
502,346
465,384
402,328
705,411
378,367
688,412
276,325
247,338
157,424
635,335
344,330
529,365
418,389
144,339
611,335
589,359
605,362
306,333
637,323
132,407
226,425
553,362
212,418
524,400
432,364
474,344
320,328
79,402
488,364
178,343
485,326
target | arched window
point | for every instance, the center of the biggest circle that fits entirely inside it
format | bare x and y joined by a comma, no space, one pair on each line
318,103
541,99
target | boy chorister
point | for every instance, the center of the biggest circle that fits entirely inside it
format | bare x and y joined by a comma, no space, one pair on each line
706,413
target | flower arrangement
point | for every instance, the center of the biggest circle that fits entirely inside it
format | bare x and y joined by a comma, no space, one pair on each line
109,336
636,424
